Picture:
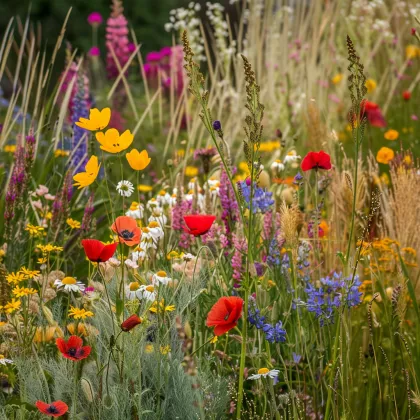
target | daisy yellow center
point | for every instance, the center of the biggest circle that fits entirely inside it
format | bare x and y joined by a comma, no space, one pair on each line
161,273
263,371
162,192
2,356
153,224
150,288
134,286
134,206
69,280
146,230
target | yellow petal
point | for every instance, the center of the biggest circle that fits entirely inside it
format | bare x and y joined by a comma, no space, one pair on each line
126,139
138,161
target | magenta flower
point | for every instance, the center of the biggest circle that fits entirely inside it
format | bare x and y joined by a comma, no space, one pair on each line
95,19
95,52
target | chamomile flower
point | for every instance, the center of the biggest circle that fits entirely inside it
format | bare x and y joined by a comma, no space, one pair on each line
4,361
277,166
264,372
291,157
69,284
158,216
163,198
133,291
148,293
152,204
161,278
135,211
125,188
138,254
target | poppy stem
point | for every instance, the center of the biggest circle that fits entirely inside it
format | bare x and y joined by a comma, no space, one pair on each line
199,348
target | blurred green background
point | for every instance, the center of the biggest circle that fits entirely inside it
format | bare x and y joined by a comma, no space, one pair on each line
147,17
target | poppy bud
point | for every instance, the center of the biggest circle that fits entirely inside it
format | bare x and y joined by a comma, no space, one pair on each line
406,95
131,322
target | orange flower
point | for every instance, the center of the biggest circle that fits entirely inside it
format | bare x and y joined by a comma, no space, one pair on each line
385,155
127,230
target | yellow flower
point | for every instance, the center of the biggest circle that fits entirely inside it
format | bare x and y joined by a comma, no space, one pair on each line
113,142
214,340
165,349
172,254
412,51
12,306
385,155
83,179
162,308
144,188
337,78
23,291
191,171
42,260
34,230
148,348
370,85
29,274
138,160
46,249
78,313
46,334
74,224
61,153
10,148
98,120
391,135
15,277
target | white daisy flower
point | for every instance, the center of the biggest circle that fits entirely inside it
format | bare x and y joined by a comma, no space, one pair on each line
161,277
139,253
291,157
277,166
133,291
153,204
69,284
4,361
131,264
135,211
214,186
264,372
159,217
155,230
115,262
125,188
148,293
163,198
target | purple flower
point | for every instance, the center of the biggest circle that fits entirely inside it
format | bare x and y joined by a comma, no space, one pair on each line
95,52
217,125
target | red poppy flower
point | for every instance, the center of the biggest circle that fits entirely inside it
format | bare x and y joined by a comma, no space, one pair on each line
131,322
198,224
224,314
55,409
127,230
98,252
316,160
73,349
373,114
406,95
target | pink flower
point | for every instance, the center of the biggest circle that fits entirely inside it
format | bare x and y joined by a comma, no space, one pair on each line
95,19
41,190
94,52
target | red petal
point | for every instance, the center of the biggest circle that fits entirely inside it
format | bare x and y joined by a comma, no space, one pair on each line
42,406
324,160
61,345
74,342
108,251
61,407
218,313
93,248
222,329
309,162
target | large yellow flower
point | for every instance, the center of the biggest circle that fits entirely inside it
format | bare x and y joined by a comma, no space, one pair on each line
138,160
385,155
113,142
83,179
391,135
98,120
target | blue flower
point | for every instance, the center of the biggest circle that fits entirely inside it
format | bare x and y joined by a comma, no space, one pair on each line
261,199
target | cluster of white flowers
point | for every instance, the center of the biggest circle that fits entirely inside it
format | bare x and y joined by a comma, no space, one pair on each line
221,34
182,19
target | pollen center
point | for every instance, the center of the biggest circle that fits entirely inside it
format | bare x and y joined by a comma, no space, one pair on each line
134,286
161,273
263,371
150,288
69,280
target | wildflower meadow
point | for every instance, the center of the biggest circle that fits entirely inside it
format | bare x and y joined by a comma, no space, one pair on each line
224,228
